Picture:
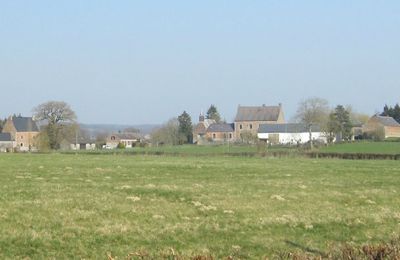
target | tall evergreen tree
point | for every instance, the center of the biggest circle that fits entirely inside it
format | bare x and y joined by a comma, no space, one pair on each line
386,111
392,112
396,113
212,113
185,127
340,123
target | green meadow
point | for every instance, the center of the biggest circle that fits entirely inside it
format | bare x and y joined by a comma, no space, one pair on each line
86,206
364,148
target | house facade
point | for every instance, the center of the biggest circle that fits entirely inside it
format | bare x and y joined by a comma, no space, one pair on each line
382,125
220,132
129,140
23,131
289,133
200,130
248,119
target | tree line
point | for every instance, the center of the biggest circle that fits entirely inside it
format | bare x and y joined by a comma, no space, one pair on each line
392,112
59,122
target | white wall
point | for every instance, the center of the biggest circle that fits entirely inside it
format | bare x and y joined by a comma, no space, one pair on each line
294,138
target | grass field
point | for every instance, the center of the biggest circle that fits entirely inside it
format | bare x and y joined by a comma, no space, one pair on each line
364,147
87,206
196,150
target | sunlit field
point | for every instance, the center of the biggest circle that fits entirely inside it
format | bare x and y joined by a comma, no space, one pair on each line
95,206
364,148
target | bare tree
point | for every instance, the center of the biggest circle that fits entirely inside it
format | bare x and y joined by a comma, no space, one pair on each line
167,134
356,117
59,120
313,111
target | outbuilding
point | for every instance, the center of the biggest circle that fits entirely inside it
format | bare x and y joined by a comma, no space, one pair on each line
289,133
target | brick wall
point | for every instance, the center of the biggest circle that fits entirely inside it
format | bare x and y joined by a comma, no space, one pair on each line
392,131
219,136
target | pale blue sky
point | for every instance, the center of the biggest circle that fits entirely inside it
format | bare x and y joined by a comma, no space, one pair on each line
140,62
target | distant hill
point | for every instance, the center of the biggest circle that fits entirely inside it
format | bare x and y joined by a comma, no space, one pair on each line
110,128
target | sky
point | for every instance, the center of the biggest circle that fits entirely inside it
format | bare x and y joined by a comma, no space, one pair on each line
144,62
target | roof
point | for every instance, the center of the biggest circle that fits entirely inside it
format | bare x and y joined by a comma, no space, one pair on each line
127,136
287,128
220,128
202,126
386,120
25,124
5,137
258,113
206,123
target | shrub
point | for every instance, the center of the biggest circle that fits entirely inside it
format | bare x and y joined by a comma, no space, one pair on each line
121,146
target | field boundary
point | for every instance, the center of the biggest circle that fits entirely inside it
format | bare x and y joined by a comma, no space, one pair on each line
354,156
267,154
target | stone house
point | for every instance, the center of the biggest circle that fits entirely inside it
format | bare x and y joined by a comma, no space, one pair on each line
289,133
200,130
249,118
23,131
385,126
220,132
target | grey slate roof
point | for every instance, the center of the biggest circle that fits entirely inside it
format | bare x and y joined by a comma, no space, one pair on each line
127,136
220,128
387,120
5,137
287,128
25,124
260,113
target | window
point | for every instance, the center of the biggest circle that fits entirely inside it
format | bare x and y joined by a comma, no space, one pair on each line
22,137
251,126
22,144
230,136
240,126
214,136
112,137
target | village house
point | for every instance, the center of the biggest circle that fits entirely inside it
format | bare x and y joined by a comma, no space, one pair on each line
128,140
384,126
289,133
248,119
200,130
221,132
23,131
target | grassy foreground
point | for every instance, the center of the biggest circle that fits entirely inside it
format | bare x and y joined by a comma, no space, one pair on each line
364,148
87,206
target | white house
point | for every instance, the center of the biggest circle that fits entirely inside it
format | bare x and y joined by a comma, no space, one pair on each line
129,140
289,133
